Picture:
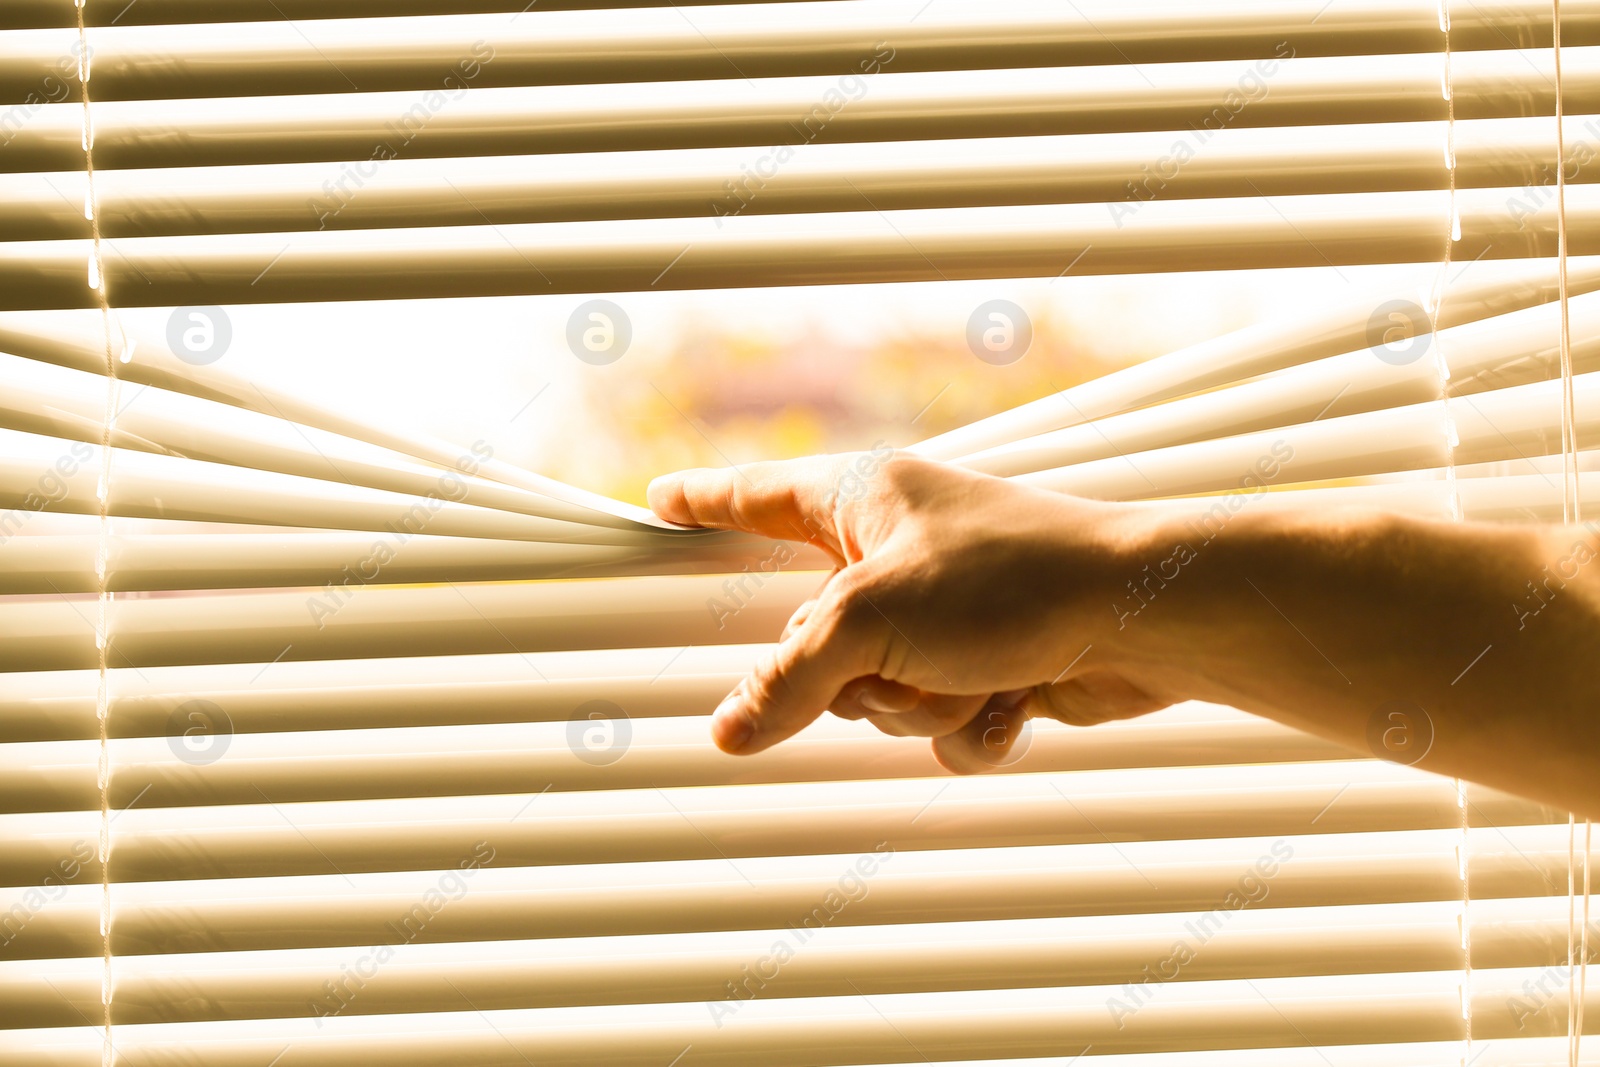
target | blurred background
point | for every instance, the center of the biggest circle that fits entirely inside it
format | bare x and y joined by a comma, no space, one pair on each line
667,379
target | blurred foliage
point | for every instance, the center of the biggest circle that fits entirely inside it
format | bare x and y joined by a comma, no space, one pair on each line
713,398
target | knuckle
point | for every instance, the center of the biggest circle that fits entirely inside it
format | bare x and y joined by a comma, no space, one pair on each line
903,475
869,478
898,468
737,505
844,628
801,616
848,606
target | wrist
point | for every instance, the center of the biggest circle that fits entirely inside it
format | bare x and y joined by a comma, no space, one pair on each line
1111,567
1176,617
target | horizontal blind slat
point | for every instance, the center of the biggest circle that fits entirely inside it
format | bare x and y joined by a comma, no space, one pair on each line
1509,498
412,52
616,898
375,621
512,759
66,403
47,13
1248,942
824,248
395,691
892,107
268,833
784,179
40,473
65,563
1519,347
1500,424
1275,344
1418,1006
284,768
78,342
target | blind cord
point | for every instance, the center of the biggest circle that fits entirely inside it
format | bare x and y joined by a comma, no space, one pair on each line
1577,936
96,277
1451,236
1453,492
1583,969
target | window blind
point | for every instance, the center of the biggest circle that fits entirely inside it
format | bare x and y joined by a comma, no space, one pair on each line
408,760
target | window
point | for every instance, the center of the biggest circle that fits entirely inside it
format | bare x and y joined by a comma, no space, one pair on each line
327,738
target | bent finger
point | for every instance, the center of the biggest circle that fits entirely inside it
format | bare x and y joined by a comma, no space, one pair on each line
995,737
787,499
934,715
1093,698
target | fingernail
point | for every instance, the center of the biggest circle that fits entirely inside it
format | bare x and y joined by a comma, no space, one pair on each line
872,702
731,728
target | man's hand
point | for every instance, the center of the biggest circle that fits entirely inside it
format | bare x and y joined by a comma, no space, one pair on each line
962,603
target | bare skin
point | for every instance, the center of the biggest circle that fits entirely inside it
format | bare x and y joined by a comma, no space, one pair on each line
962,604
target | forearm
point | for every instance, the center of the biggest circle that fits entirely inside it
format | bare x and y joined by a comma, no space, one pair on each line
1330,622
965,603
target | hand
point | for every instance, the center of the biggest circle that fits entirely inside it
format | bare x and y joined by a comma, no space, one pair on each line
961,604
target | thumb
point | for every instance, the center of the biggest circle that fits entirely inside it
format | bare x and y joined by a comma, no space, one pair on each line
802,675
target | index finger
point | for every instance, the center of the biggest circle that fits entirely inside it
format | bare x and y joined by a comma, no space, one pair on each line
789,500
